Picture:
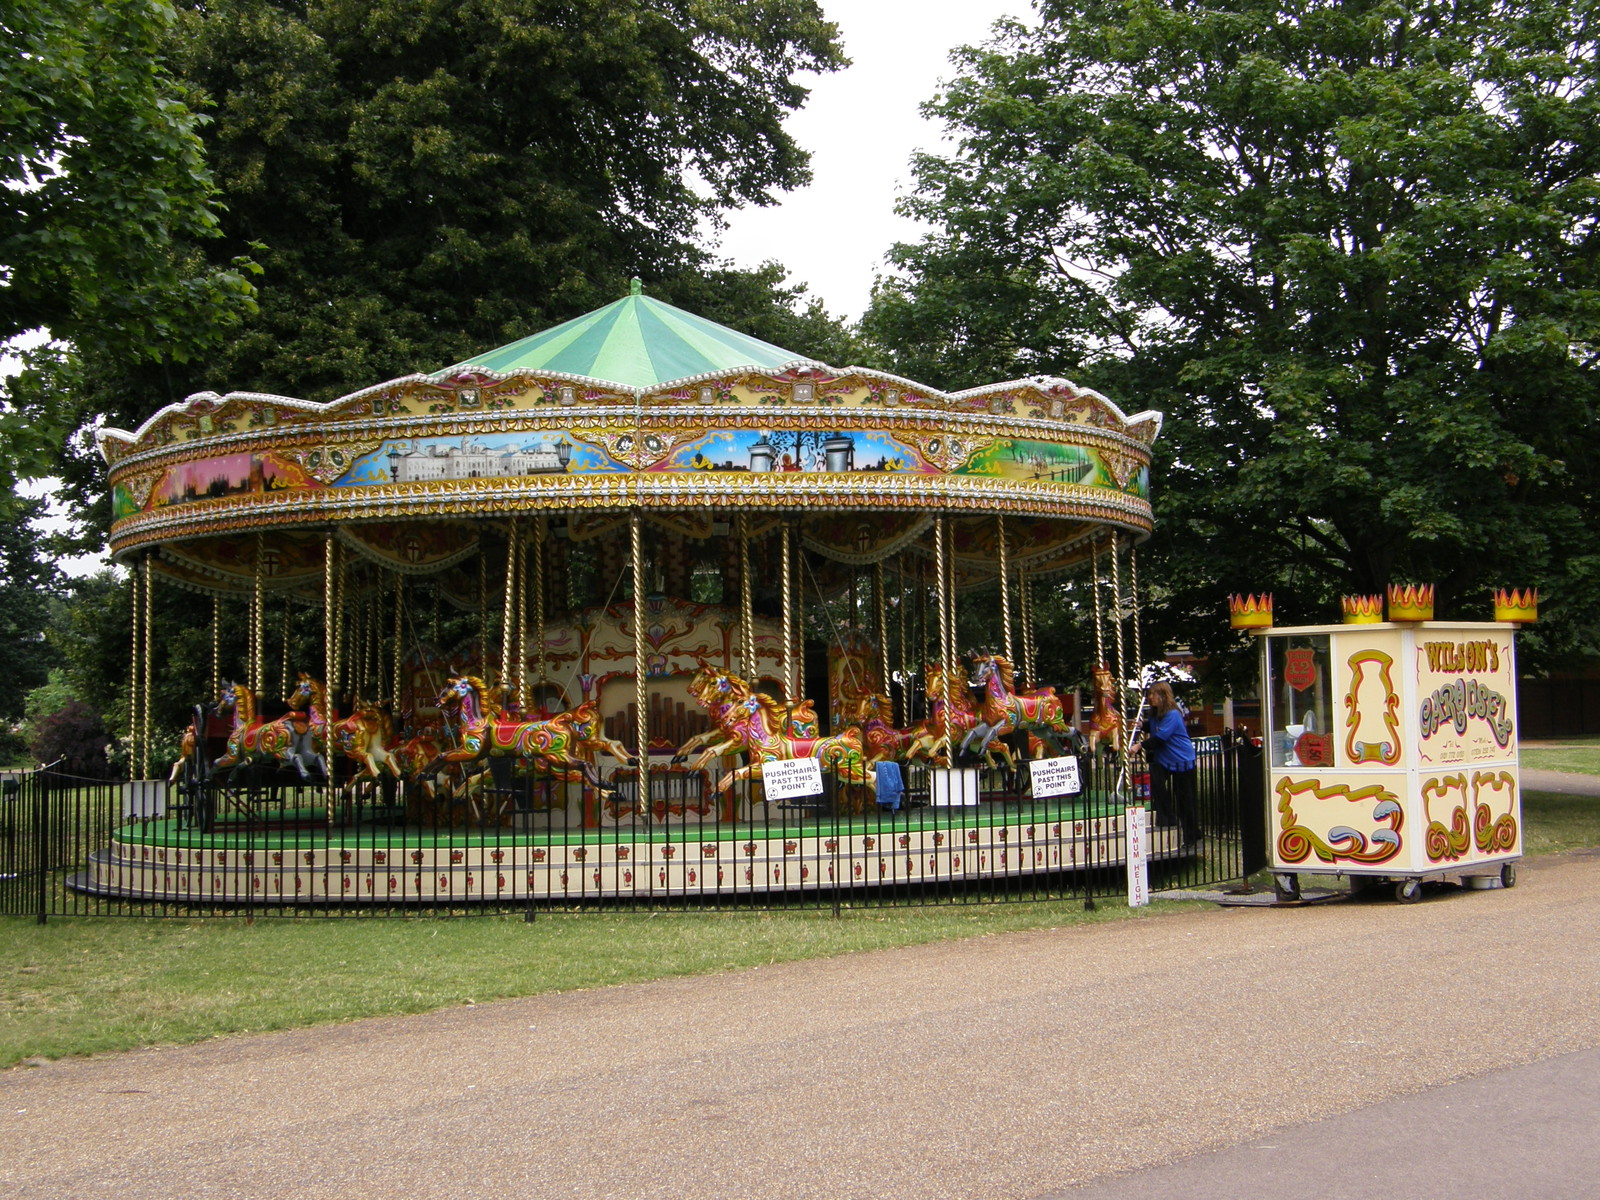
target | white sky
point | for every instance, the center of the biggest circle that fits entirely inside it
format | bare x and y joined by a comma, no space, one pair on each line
861,126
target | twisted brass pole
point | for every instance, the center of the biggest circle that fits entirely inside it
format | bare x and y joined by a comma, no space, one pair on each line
1005,588
507,641
747,618
641,689
149,621
329,617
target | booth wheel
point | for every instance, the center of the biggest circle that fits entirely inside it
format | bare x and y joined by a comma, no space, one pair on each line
1408,891
1508,875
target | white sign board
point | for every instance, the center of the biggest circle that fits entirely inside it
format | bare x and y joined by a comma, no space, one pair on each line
953,787
144,799
1055,776
1138,857
791,779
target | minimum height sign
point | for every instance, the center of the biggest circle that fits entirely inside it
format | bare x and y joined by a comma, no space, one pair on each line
1138,857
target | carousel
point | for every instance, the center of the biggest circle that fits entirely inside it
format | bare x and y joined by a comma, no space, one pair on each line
635,606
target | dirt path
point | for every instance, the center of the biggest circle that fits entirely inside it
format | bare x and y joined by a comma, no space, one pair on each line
1010,1066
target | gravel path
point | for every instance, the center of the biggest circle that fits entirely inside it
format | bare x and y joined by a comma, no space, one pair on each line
1014,1066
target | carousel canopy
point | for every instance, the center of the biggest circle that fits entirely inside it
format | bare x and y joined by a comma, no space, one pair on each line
636,408
636,341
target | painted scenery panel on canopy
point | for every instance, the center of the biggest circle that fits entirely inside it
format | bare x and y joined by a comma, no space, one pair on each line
227,475
1015,458
478,456
789,450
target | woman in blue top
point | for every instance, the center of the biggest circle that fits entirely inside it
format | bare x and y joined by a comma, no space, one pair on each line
1170,753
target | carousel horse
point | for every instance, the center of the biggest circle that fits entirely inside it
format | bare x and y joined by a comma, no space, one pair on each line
567,741
186,750
365,738
873,713
928,735
1002,709
755,724
296,739
1106,724
883,741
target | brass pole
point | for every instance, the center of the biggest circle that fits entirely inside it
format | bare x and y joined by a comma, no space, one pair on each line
788,621
507,639
747,617
399,636
329,557
216,646
285,640
1116,609
258,672
149,621
1133,598
940,532
882,603
539,532
135,665
1005,587
641,688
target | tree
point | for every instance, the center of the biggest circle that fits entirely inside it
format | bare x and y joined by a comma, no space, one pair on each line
28,581
419,182
103,196
1349,249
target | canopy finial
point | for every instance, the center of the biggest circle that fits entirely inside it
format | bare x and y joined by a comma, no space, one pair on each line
636,287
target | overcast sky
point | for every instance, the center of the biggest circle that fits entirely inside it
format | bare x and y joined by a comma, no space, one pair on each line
861,126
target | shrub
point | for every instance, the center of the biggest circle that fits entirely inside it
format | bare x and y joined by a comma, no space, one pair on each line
76,736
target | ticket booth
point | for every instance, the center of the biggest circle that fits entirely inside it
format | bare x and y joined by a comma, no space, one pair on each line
1391,752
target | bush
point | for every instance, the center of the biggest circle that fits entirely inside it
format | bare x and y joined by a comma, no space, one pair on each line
76,736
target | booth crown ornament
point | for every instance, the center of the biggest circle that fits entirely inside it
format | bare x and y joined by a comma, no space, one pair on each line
1411,602
1250,612
1362,610
1516,606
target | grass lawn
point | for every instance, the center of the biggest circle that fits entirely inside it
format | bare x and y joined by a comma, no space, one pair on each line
85,985
1577,756
88,985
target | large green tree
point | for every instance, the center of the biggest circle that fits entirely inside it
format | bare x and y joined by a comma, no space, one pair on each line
104,196
422,180
1348,248
419,181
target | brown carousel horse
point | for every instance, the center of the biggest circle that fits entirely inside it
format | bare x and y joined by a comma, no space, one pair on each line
1106,724
757,725
1040,712
366,738
297,739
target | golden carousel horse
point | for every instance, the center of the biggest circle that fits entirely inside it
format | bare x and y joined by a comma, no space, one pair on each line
297,739
929,738
1106,724
757,725
366,737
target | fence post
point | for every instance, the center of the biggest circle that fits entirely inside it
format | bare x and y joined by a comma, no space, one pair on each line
41,840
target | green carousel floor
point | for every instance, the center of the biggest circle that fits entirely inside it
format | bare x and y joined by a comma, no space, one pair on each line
300,825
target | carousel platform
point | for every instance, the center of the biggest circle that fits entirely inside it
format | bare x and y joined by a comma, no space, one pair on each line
530,858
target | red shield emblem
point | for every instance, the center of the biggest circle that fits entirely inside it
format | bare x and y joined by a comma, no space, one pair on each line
1314,749
1299,668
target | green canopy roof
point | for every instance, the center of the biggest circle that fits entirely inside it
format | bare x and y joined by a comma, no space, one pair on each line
638,342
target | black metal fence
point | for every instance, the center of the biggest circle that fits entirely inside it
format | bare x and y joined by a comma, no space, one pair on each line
531,842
